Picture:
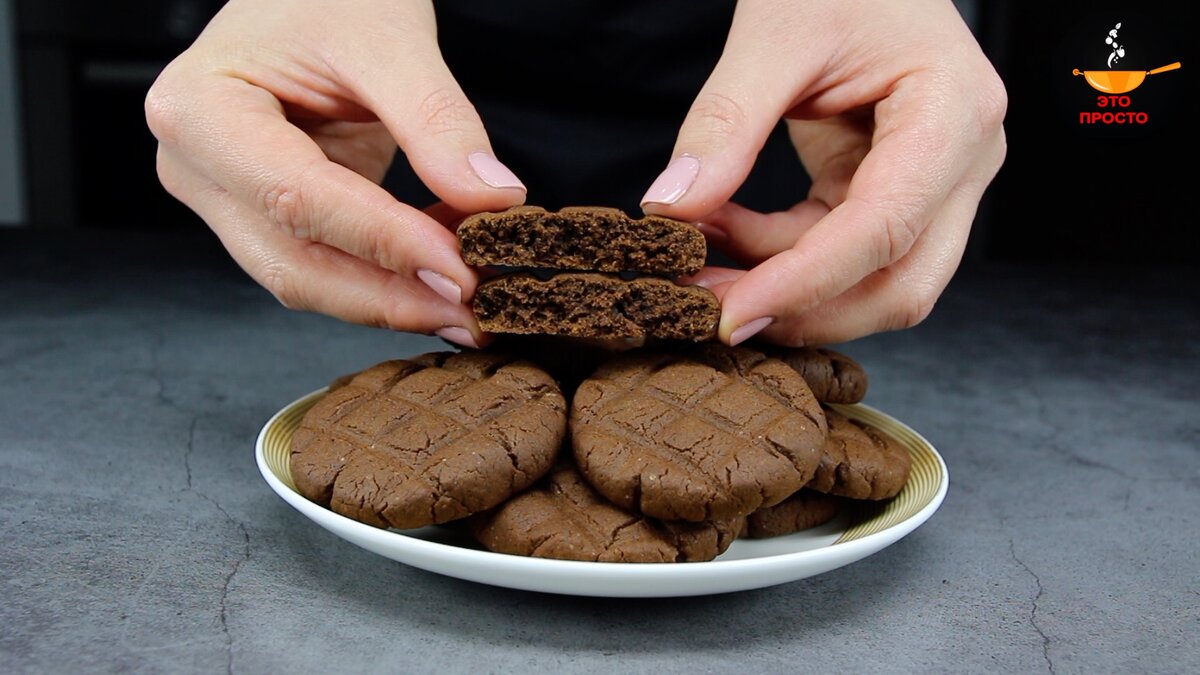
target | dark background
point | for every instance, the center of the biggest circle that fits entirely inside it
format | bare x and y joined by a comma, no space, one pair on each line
583,101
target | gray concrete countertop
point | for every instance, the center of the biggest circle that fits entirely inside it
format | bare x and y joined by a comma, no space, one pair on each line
135,373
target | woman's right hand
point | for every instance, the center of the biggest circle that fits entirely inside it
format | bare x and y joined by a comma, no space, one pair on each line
276,127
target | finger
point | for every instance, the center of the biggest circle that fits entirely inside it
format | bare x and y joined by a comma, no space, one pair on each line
445,214
366,148
712,276
311,276
427,112
922,148
750,237
732,116
896,297
831,150
235,133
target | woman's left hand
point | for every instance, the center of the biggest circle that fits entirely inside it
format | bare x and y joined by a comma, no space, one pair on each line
896,114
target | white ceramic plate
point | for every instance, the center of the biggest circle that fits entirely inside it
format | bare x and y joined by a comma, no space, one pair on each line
747,564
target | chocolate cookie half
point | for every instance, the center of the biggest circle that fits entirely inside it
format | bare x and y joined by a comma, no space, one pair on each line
832,376
713,434
563,517
426,440
860,461
582,238
581,304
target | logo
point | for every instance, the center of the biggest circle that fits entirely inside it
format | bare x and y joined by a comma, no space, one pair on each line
1114,84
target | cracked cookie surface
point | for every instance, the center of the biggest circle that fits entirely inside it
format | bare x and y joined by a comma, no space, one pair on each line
562,517
430,439
859,461
716,432
832,376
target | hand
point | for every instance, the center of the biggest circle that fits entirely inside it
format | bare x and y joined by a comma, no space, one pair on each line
276,127
896,115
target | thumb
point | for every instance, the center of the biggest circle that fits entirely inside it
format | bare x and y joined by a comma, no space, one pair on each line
425,110
727,125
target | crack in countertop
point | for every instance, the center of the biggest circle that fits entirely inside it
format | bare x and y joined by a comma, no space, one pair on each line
1034,605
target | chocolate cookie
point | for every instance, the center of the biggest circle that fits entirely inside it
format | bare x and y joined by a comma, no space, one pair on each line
801,511
860,461
832,376
582,238
562,517
569,360
583,304
713,434
427,440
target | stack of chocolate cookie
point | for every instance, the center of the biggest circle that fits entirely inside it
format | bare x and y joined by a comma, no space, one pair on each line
858,461
680,446
588,272
671,453
653,454
430,439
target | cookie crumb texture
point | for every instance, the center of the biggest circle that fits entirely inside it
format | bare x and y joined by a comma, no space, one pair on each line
414,442
715,434
563,518
859,461
597,306
582,238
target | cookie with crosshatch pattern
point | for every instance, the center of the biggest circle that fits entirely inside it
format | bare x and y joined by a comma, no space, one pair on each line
859,461
832,376
706,434
562,517
430,439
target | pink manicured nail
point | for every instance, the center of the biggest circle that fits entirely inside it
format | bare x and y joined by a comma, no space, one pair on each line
749,330
674,181
442,285
457,335
491,171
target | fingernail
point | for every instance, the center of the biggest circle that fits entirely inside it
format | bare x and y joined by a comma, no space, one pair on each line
674,181
457,335
749,330
491,171
442,285
713,234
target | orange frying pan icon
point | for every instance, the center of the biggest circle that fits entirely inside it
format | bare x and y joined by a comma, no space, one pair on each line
1120,81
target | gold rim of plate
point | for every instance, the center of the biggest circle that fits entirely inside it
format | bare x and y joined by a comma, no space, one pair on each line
924,479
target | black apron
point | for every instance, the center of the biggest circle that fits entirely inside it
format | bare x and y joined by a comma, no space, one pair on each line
583,99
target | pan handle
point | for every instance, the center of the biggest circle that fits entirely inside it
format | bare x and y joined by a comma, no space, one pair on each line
1163,69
